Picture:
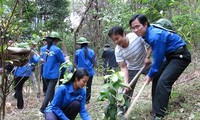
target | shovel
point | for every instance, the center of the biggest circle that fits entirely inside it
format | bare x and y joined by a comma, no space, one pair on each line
135,78
134,101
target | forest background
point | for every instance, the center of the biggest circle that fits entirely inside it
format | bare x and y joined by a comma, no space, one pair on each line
31,20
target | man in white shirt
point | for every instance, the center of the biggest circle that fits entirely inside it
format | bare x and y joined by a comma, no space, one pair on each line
131,53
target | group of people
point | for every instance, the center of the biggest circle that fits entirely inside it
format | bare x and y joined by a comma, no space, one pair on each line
132,52
70,97
170,58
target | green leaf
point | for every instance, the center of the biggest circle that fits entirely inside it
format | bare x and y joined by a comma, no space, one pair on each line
106,76
69,76
103,95
2,10
23,45
105,86
117,85
36,38
122,102
1,2
112,112
4,47
121,75
112,99
124,85
119,97
112,90
66,65
114,78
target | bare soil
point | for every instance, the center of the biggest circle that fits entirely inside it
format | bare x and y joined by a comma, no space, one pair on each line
184,102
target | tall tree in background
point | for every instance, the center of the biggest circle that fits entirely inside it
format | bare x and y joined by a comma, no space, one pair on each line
52,13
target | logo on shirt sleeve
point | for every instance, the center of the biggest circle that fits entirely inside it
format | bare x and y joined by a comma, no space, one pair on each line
80,97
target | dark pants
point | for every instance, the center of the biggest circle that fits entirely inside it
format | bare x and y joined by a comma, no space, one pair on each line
131,75
168,73
44,83
51,83
88,89
19,82
129,94
70,111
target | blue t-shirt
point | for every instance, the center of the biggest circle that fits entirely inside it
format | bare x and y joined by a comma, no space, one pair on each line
162,43
26,70
86,62
52,62
64,95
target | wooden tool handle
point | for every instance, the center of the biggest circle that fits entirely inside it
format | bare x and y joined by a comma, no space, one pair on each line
136,76
135,100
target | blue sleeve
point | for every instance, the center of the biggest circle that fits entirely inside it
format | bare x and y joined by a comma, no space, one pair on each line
35,59
57,103
83,112
159,49
60,56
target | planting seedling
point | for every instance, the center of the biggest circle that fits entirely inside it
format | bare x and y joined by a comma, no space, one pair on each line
111,94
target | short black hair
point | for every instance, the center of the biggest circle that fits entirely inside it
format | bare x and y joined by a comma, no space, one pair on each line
141,18
116,30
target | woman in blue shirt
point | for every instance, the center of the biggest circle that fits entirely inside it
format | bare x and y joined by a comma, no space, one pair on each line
53,58
85,58
21,74
69,99
170,58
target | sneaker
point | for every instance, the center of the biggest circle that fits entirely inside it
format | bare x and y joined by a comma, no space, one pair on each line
157,118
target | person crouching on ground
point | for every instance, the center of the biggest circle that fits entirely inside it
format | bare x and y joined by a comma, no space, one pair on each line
69,99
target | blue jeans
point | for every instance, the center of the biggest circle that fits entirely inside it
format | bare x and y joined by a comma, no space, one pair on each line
51,83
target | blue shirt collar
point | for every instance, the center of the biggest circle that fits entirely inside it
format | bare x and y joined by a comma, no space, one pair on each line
145,37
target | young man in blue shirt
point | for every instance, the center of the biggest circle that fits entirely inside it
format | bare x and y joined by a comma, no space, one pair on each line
170,58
